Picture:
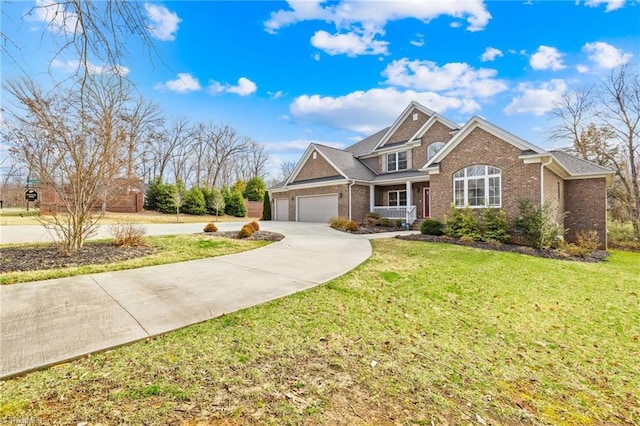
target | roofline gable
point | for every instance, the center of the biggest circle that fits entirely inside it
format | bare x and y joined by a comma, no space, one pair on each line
430,122
305,158
400,120
478,122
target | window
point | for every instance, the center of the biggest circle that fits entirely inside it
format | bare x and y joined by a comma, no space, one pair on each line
433,148
397,161
397,198
477,186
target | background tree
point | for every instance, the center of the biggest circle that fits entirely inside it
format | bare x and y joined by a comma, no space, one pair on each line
603,125
76,144
235,205
255,189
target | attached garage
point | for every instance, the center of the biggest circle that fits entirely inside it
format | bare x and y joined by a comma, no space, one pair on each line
281,209
317,208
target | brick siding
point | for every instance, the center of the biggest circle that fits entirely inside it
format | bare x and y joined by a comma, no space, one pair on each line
316,168
408,127
585,201
438,132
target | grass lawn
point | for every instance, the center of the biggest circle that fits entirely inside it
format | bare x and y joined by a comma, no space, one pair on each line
421,333
173,248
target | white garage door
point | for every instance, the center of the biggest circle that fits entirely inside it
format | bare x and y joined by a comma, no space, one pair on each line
317,209
282,209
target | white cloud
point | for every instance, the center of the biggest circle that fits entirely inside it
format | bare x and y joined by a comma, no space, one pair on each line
358,23
164,23
56,16
456,78
316,56
490,54
605,55
419,41
183,84
73,65
276,95
244,87
582,69
352,44
547,58
611,4
455,24
368,111
536,100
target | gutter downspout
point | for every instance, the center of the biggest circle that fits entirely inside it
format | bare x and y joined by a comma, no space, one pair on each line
353,182
542,180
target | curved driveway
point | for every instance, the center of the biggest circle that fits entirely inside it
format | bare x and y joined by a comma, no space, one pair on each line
46,322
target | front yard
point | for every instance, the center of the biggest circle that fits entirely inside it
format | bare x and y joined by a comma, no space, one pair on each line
421,333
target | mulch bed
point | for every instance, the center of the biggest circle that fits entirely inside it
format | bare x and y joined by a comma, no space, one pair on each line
596,256
33,258
364,229
259,235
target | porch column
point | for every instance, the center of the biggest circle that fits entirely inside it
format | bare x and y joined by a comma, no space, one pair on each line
409,194
372,197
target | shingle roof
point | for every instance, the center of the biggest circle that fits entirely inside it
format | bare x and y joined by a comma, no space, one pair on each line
577,166
367,144
400,175
347,163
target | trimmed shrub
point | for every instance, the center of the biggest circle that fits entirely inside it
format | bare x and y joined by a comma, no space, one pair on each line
127,234
266,207
245,232
537,225
373,215
586,243
254,225
495,226
210,228
431,227
384,221
462,223
214,201
351,226
372,219
398,223
339,222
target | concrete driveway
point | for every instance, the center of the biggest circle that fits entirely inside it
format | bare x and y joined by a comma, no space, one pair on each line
47,322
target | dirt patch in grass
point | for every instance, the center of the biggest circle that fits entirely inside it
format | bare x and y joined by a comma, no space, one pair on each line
596,256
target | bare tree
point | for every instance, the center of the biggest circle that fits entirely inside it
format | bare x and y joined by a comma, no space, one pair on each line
603,125
163,147
619,110
76,143
286,169
223,143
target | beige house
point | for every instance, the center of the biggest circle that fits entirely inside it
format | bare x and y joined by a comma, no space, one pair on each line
423,162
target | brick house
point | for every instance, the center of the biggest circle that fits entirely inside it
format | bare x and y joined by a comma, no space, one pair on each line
423,162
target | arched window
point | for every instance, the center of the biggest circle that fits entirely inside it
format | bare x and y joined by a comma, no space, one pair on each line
433,148
477,186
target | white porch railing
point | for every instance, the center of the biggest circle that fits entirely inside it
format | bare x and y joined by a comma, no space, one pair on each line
407,213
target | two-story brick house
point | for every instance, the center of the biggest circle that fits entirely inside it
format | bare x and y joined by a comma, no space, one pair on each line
423,162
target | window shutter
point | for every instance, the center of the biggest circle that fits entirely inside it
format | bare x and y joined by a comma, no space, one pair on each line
383,158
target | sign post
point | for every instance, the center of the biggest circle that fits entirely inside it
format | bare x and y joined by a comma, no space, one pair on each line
30,195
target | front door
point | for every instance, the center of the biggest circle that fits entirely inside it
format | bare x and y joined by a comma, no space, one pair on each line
426,209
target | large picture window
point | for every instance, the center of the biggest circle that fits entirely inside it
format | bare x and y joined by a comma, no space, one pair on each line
477,186
397,161
397,198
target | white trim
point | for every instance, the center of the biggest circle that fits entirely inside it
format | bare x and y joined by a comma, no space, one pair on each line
465,181
403,147
393,181
311,185
430,122
542,165
397,169
401,118
398,191
310,149
471,125
426,195
372,197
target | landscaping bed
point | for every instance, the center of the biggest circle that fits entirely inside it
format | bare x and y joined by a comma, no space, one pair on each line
596,256
257,236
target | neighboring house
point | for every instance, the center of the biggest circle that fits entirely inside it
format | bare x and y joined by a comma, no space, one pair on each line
423,162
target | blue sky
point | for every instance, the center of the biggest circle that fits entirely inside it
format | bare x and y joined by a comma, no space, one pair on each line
290,73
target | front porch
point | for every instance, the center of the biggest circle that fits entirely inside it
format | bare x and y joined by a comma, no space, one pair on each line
408,202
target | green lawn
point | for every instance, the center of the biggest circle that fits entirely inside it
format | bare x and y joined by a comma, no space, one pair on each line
421,333
172,248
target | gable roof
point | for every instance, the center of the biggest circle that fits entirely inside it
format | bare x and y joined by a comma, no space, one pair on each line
430,122
344,161
367,144
477,122
576,166
391,130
